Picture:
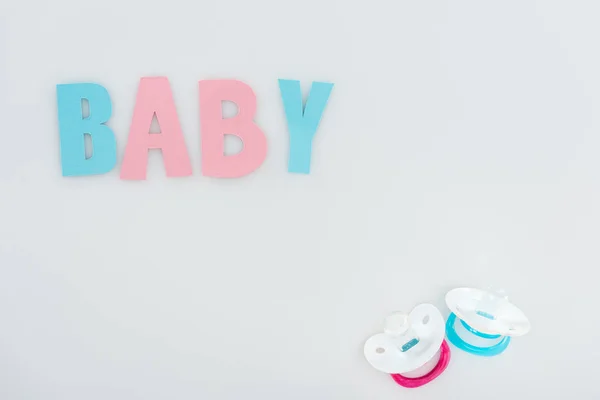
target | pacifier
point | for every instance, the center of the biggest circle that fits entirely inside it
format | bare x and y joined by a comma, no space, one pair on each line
411,348
487,318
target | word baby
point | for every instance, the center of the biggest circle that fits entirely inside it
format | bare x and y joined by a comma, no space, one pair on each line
154,97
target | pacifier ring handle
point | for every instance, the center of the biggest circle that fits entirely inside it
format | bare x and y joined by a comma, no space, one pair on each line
431,375
459,342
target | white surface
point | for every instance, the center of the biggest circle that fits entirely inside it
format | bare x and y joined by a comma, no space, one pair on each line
468,303
460,147
383,350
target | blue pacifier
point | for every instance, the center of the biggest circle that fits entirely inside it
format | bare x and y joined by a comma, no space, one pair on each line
487,319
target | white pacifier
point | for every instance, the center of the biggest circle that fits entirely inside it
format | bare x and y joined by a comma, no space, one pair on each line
486,317
411,348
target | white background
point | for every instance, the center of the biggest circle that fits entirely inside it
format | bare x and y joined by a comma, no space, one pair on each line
460,147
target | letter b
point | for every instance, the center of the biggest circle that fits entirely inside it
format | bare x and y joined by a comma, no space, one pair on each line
73,127
214,128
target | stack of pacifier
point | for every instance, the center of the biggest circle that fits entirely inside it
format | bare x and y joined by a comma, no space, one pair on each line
412,348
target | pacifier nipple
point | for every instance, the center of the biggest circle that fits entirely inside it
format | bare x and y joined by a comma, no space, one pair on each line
487,306
396,324
497,292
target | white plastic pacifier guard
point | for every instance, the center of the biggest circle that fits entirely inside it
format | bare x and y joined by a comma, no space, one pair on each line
487,312
383,351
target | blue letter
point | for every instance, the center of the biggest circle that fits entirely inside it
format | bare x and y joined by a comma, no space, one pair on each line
303,125
73,127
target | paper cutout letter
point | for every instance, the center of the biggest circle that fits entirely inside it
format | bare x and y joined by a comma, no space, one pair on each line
154,97
214,127
303,125
73,127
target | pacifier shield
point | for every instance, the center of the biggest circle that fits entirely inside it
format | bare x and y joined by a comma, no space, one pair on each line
404,347
487,312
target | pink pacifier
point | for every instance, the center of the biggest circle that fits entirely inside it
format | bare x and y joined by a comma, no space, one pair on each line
411,348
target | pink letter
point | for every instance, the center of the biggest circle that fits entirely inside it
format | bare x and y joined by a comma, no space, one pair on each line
154,97
214,128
